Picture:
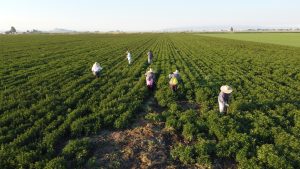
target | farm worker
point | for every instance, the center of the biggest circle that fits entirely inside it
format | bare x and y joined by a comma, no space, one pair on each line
224,98
150,77
129,57
96,69
174,80
176,74
150,56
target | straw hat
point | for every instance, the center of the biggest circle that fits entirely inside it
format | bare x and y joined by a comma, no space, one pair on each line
176,72
226,89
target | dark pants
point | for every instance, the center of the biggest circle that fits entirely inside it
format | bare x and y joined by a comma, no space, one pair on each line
150,87
173,87
97,74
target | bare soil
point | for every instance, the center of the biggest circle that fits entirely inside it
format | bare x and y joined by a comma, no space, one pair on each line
145,145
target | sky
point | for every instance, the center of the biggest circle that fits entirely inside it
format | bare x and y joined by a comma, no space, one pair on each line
146,15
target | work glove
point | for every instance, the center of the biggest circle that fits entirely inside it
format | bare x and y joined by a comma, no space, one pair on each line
227,105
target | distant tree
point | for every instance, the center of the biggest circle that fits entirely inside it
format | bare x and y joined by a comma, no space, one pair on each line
231,29
13,30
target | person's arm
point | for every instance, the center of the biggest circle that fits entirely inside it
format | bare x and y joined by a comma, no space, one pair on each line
226,99
221,98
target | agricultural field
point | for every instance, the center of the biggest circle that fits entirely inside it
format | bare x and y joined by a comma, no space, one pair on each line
55,114
288,39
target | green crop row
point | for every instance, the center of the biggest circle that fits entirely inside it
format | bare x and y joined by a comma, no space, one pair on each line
51,104
264,106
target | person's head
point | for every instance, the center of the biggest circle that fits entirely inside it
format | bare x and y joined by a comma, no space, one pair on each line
226,89
176,72
96,63
150,70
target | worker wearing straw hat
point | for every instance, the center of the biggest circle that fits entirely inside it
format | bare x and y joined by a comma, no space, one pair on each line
150,56
223,98
96,69
150,77
174,80
128,57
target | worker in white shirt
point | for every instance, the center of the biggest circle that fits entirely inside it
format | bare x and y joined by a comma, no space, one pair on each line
128,57
96,69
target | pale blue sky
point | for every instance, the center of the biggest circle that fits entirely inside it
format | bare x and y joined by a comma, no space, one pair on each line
145,15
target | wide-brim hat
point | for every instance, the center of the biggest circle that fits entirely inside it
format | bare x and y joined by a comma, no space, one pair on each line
176,72
226,89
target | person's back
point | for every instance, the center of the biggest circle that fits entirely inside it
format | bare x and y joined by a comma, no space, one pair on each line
150,55
150,75
177,76
223,97
174,81
96,69
129,57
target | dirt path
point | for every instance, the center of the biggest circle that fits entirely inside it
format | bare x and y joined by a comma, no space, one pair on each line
144,145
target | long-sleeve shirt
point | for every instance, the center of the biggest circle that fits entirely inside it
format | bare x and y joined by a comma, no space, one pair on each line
223,97
175,75
128,56
150,75
96,68
150,55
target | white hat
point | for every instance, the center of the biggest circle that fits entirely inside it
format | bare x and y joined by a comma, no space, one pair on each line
176,72
226,89
150,70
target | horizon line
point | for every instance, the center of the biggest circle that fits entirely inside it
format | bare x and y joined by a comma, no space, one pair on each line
187,28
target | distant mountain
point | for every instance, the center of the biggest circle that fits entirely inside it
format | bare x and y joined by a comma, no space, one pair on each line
61,30
204,28
224,28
